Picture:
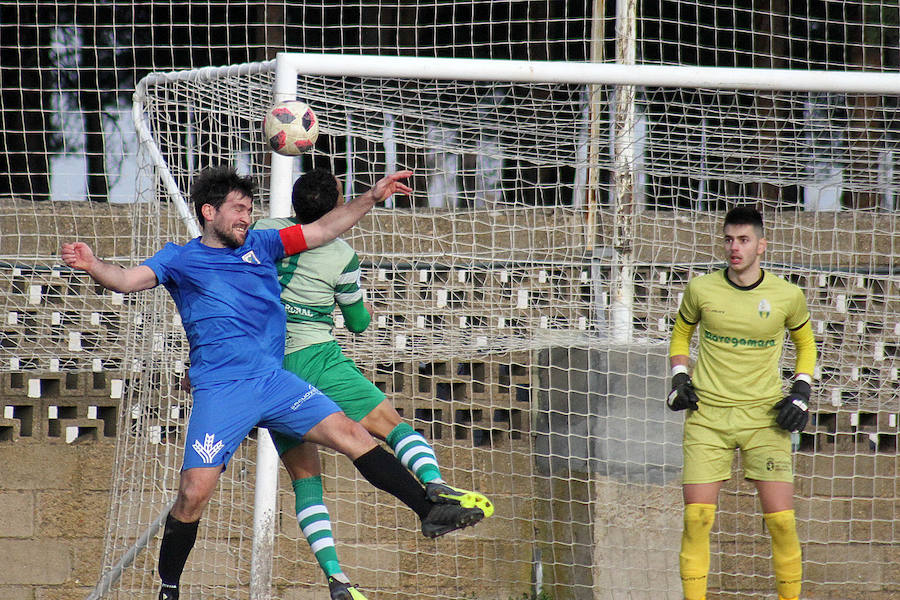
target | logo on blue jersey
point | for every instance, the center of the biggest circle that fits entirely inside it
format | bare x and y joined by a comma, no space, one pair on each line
208,450
250,257
764,308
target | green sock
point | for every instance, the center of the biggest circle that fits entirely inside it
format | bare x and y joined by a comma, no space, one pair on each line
414,452
312,514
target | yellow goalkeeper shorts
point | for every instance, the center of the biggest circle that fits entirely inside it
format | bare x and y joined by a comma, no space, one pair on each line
712,433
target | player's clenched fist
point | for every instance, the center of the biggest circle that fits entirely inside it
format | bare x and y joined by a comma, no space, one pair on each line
793,411
78,255
682,395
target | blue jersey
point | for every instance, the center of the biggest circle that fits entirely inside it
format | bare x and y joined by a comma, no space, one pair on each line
229,300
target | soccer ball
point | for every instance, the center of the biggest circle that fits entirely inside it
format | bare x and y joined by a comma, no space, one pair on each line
291,127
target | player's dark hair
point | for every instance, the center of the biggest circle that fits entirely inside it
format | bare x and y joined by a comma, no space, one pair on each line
745,215
213,184
315,193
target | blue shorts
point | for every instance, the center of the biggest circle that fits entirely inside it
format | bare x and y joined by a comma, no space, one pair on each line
224,412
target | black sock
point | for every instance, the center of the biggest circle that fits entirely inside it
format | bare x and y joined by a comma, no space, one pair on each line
178,539
384,471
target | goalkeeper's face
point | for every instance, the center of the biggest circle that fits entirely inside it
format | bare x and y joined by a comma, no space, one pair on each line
743,247
227,226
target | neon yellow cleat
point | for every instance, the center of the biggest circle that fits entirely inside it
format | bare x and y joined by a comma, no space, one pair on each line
441,493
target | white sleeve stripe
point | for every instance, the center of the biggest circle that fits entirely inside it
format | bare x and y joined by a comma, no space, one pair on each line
349,277
349,297
315,509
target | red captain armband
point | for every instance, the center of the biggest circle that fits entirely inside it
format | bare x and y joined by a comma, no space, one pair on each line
293,239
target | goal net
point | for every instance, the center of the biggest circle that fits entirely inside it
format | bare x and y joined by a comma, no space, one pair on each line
522,300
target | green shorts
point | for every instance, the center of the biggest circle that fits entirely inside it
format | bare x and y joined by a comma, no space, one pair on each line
711,434
325,367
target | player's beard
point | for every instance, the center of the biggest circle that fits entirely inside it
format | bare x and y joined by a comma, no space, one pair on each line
229,237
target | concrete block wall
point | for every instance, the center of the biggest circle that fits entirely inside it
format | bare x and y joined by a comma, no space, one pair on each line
61,384
57,448
53,503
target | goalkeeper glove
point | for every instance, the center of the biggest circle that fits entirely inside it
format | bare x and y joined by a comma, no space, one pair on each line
793,411
682,395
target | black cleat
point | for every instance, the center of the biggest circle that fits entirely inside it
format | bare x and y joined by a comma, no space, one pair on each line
343,591
445,518
168,592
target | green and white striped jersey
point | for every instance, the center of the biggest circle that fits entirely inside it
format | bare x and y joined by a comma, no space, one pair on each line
312,282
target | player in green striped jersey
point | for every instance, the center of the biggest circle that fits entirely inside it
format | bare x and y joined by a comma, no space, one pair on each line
734,398
312,286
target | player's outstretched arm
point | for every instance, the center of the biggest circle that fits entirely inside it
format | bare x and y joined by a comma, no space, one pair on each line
342,218
79,255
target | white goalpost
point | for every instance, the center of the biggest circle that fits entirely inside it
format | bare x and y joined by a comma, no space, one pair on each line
522,302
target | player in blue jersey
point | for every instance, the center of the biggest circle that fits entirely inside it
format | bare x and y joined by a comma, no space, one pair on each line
225,287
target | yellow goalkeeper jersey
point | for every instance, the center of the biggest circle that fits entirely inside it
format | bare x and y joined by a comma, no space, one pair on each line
741,333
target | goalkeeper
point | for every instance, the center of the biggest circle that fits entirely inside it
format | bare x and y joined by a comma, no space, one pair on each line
312,283
734,399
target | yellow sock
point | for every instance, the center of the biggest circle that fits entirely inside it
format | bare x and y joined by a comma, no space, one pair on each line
694,558
786,556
